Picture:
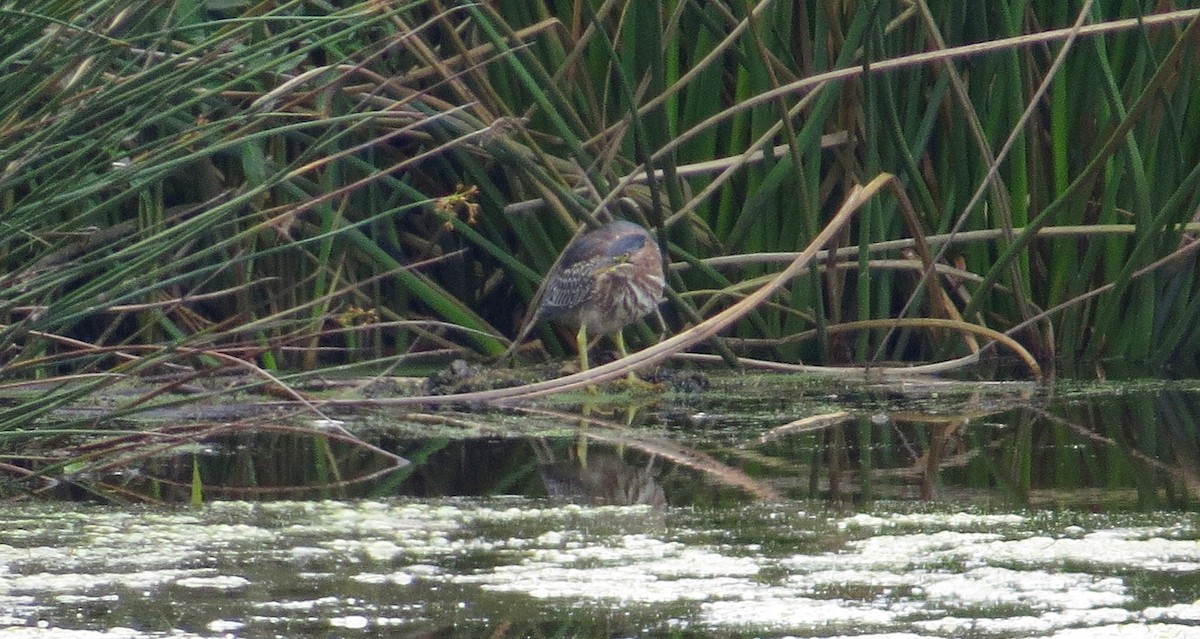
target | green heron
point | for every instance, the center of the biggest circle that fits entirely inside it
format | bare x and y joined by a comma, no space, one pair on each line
605,280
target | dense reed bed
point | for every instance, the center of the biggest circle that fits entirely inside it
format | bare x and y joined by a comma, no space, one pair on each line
303,188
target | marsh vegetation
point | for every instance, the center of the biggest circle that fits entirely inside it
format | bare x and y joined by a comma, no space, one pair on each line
208,199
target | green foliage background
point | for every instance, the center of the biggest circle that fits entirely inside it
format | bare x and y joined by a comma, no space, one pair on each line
300,186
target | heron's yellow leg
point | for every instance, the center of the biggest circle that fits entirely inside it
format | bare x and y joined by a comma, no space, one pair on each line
619,340
581,344
633,380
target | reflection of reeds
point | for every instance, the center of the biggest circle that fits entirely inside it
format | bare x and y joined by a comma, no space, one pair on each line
1156,439
1118,448
197,461
933,441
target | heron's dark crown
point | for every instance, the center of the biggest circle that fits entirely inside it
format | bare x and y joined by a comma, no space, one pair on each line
626,245
609,242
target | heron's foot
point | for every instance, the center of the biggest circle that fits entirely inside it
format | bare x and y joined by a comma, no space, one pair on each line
637,385
569,368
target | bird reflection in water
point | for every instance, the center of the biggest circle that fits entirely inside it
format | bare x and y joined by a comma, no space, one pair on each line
600,477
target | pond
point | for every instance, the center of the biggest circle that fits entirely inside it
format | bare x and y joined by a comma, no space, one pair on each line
771,506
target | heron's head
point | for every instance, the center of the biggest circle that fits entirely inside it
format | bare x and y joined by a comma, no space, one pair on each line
623,249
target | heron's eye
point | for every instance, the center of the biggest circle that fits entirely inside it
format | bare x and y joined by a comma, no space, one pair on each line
622,258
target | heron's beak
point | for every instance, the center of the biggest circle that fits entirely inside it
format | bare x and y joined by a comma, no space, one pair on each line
619,262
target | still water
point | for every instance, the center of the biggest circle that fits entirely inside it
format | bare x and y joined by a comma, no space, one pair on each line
772,508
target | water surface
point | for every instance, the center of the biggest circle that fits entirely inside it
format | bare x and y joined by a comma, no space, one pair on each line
777,507
520,567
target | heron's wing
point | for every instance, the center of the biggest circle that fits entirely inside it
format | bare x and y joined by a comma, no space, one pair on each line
568,290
